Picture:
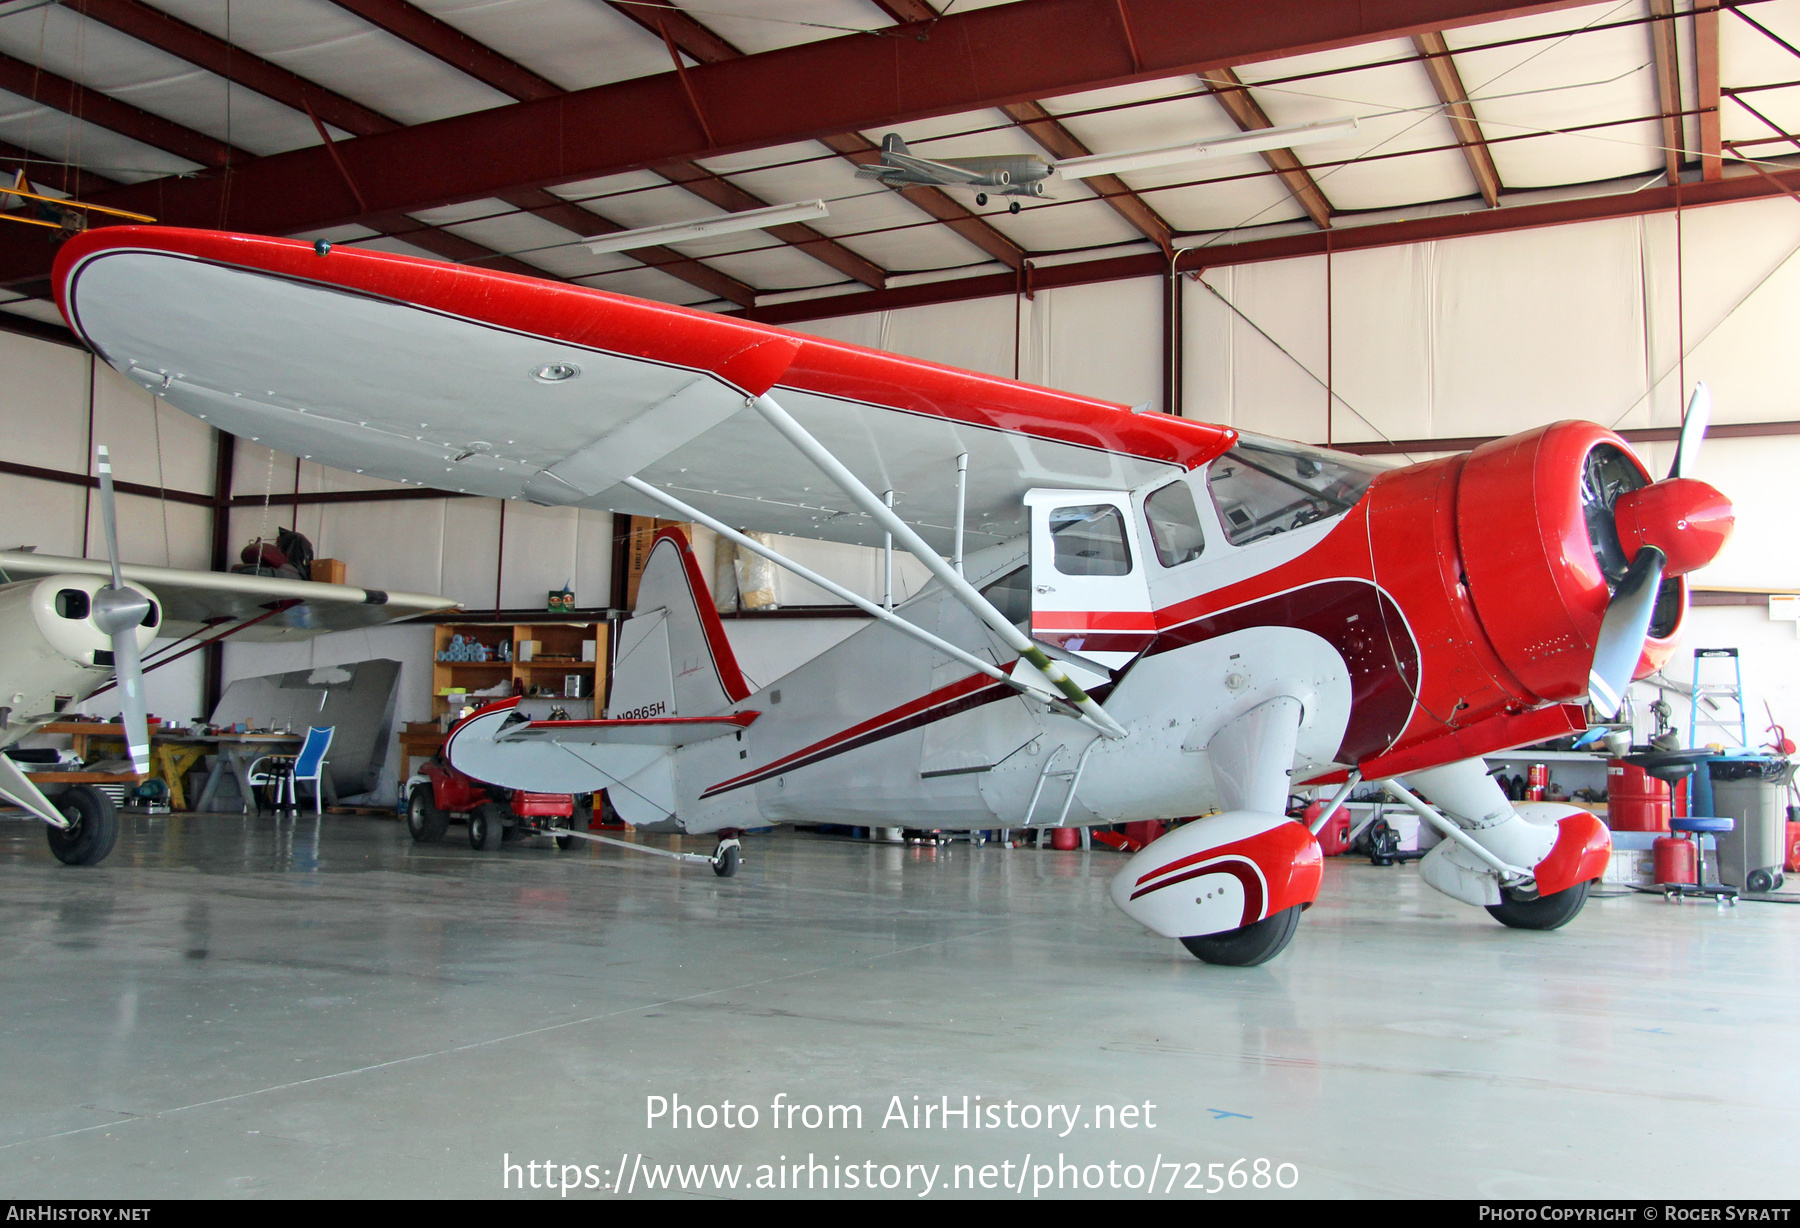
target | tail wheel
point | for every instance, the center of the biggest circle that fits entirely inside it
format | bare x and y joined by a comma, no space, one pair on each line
424,821
1547,912
563,842
487,827
93,827
1256,943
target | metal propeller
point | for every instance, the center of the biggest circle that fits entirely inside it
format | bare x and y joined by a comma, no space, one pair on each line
119,611
1633,605
1693,429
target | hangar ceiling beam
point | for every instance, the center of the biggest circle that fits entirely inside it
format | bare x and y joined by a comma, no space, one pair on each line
232,62
587,224
102,110
705,47
1706,78
974,59
439,38
1061,144
1231,94
450,45
1668,85
227,60
1461,113
661,16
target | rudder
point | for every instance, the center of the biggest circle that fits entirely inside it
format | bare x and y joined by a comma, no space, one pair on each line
673,658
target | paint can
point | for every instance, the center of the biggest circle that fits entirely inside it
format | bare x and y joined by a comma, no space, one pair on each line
1537,782
1635,800
1674,859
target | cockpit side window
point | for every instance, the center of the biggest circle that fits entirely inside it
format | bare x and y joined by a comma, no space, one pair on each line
1090,541
1174,524
1263,487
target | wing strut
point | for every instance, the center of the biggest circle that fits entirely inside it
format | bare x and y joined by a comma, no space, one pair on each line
816,452
868,607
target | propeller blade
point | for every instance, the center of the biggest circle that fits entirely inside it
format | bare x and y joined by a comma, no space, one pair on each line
1622,631
1693,429
119,611
128,668
107,517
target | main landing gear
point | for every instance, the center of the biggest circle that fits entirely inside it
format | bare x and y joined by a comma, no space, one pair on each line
1249,946
93,826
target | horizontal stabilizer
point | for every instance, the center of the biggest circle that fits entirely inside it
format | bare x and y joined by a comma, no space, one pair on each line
657,731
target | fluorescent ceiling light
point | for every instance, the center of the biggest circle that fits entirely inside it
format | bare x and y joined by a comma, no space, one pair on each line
1219,147
728,223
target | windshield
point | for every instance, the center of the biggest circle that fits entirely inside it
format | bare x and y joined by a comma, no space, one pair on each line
1263,486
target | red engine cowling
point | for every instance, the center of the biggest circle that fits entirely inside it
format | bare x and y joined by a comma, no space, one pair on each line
1547,521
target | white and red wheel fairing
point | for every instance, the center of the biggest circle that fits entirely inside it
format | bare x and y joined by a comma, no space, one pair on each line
1220,873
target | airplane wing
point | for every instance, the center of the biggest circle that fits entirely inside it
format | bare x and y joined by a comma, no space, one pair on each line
296,609
942,172
655,731
466,379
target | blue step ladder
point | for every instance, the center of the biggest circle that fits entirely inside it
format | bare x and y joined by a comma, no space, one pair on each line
1717,701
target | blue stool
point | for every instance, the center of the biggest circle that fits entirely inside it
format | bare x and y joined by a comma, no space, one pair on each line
1697,828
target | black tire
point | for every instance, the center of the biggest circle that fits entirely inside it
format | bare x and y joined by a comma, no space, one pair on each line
980,199
424,821
1759,881
725,865
1013,208
487,828
93,827
564,842
1547,912
1253,944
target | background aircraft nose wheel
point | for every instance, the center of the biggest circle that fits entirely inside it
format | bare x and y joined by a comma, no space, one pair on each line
424,821
980,199
1547,912
1013,208
93,827
486,827
1253,944
726,858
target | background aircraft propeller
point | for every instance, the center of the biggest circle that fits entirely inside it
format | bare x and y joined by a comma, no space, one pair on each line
119,611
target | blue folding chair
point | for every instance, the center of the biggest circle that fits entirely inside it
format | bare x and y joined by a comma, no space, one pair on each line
284,771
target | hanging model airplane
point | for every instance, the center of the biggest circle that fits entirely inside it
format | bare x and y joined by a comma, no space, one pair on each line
1155,617
68,627
1001,174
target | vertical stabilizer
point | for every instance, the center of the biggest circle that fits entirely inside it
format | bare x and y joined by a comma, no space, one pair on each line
673,652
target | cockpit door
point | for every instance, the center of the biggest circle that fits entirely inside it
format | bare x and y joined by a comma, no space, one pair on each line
1090,591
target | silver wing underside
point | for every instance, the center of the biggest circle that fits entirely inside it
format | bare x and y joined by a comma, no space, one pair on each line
392,389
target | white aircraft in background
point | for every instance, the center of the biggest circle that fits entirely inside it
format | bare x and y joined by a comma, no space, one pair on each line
1156,617
70,626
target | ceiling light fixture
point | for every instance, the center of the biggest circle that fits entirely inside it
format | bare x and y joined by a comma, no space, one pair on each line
705,228
1218,147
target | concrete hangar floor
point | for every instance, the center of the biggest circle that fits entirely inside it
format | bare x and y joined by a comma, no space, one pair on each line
235,1007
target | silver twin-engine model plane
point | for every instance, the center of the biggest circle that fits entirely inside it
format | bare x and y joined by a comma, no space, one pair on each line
1132,616
68,627
1001,174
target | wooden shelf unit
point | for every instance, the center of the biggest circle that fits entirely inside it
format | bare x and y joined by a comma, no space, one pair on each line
559,655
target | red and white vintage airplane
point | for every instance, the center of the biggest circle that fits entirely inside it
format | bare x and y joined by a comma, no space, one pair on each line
1154,617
